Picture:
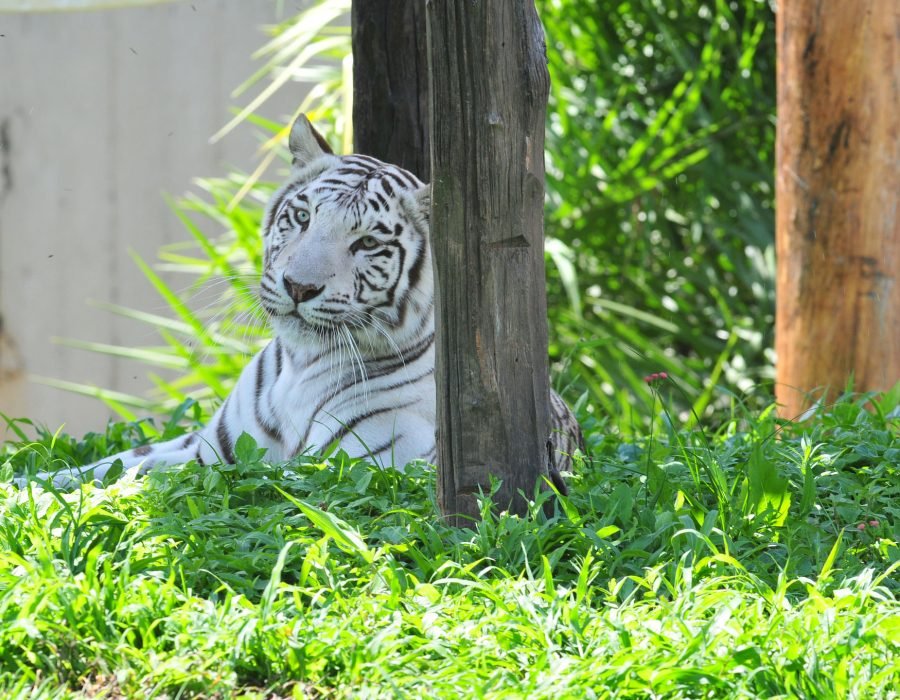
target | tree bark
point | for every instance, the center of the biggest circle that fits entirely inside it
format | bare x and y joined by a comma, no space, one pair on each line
390,83
837,240
489,87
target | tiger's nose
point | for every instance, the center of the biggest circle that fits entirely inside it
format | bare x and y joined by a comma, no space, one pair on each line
300,292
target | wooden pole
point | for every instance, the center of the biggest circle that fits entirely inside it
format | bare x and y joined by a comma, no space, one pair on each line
489,87
837,232
390,83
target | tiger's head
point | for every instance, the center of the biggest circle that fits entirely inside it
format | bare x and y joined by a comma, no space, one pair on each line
346,247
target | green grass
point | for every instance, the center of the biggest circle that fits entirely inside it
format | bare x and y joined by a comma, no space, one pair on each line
685,564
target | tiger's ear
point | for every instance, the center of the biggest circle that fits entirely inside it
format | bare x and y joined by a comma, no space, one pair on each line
306,143
422,207
423,199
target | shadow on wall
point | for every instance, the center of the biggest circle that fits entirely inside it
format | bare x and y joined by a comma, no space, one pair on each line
12,369
101,113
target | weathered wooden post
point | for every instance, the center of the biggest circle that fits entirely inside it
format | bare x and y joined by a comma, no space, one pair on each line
390,83
837,231
489,87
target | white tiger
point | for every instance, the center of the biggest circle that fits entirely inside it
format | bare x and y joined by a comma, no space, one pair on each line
349,290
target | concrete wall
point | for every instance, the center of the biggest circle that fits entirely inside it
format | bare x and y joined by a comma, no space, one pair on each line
101,113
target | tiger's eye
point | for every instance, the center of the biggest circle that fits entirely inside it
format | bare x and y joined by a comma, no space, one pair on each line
368,242
302,216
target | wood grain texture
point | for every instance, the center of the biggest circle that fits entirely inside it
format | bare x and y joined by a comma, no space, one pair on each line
489,87
838,177
390,83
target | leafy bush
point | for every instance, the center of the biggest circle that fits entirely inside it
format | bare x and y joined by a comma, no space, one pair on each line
660,155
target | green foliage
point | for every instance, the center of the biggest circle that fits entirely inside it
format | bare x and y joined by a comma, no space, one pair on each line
758,561
660,158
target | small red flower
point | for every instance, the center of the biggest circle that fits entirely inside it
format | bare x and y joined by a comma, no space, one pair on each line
861,527
656,376
873,523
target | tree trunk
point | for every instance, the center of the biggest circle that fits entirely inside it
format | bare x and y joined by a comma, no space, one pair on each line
489,87
390,83
837,242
